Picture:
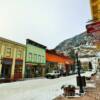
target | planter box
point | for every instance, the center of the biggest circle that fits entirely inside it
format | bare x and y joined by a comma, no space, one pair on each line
69,91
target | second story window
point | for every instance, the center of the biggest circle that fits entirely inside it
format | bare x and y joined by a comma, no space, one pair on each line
30,56
39,58
42,59
19,54
35,58
8,52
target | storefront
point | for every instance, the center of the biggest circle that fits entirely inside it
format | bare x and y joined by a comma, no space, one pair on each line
35,59
6,68
35,70
57,61
51,66
29,70
18,70
12,56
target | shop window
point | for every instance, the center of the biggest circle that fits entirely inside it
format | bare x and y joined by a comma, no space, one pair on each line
8,52
18,69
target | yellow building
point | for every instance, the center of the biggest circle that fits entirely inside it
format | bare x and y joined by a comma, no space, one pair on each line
95,9
97,44
12,59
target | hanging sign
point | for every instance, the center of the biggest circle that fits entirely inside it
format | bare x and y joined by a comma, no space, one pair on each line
94,27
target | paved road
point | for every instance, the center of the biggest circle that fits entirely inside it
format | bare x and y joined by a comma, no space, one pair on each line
35,89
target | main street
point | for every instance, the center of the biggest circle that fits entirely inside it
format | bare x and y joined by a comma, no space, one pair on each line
35,89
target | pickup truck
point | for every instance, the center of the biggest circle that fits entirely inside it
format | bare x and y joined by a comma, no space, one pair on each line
53,74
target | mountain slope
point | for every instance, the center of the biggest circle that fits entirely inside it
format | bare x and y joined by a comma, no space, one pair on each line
76,41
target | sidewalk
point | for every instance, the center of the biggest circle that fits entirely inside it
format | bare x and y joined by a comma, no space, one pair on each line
91,93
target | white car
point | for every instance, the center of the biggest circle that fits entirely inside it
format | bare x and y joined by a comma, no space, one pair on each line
53,74
88,74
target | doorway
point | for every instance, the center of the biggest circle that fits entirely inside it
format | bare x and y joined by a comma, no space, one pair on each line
37,71
6,71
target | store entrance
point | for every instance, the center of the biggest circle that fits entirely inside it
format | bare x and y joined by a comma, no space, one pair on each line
37,71
18,72
6,71
28,72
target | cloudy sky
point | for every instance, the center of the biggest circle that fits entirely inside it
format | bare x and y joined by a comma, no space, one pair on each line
45,21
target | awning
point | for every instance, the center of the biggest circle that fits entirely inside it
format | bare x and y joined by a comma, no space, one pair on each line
67,63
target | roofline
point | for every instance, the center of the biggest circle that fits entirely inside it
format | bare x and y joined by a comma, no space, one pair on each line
60,55
10,41
35,43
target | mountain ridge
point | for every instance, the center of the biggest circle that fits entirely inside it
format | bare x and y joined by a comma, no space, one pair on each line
68,44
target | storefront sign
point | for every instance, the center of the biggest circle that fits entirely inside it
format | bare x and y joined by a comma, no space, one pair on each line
29,64
8,62
19,62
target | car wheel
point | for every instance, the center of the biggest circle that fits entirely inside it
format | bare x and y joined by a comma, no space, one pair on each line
52,77
46,76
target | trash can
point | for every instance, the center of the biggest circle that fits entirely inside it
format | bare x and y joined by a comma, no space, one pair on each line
82,80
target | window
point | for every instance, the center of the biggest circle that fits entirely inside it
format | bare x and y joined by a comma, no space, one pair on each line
35,57
18,69
39,58
42,59
8,52
19,54
30,56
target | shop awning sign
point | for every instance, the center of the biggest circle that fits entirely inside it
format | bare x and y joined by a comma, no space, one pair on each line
7,62
19,62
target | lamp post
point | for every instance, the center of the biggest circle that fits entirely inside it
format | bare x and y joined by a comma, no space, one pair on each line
79,75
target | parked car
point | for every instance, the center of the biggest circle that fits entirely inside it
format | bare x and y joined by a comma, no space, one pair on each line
82,71
63,72
76,71
53,74
88,74
70,72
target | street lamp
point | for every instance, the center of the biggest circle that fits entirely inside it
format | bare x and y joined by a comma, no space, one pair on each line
79,75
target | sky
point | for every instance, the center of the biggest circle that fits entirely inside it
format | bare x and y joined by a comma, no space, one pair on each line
47,22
